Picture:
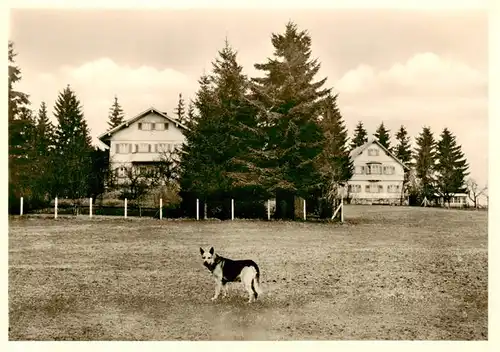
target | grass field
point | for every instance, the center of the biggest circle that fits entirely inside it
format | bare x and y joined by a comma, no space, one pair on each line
387,273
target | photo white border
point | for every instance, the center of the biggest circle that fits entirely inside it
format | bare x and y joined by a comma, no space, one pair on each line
494,145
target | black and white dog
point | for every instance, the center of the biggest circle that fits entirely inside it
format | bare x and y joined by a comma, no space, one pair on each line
226,270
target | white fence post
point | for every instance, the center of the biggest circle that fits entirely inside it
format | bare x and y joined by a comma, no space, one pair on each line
268,209
197,209
205,212
90,207
125,208
342,209
304,209
21,211
55,208
161,208
232,209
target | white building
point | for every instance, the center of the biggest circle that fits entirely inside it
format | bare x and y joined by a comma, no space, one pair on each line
378,175
141,141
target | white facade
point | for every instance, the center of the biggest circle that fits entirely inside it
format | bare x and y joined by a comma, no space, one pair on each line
142,140
378,175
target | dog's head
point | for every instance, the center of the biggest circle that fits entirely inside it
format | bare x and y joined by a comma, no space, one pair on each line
208,256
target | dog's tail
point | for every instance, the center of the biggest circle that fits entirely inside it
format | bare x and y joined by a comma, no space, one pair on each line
256,283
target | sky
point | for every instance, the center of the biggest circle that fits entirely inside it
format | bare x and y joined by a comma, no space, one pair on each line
410,68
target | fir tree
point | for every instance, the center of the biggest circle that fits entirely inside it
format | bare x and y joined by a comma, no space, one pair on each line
73,147
403,147
116,116
289,102
360,136
21,137
213,139
44,148
425,163
383,136
451,166
334,163
180,110
190,115
402,151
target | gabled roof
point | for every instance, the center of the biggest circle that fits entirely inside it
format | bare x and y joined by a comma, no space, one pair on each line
126,123
373,140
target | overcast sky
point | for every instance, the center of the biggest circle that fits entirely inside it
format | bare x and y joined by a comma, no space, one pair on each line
412,68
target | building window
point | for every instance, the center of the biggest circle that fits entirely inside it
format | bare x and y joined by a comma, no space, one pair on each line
393,188
373,152
354,188
359,170
389,170
146,126
123,148
380,189
139,125
374,169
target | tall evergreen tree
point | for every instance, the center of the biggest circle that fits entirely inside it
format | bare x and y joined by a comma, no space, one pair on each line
425,163
402,150
383,136
190,115
360,136
21,137
44,149
403,147
289,102
451,166
180,110
116,115
213,139
334,163
73,147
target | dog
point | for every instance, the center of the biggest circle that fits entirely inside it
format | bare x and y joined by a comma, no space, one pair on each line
226,270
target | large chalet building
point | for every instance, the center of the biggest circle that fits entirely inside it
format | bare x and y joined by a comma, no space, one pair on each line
141,141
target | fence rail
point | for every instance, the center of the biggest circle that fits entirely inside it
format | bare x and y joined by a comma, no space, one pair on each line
229,209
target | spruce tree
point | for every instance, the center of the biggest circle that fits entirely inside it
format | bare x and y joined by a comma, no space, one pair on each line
44,151
289,102
383,136
402,151
73,147
116,116
360,136
190,115
403,147
451,166
425,163
334,163
21,138
180,110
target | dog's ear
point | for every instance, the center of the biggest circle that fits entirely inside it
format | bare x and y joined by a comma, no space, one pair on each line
202,251
211,250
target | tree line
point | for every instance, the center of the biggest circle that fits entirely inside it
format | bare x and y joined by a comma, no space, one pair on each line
277,135
436,168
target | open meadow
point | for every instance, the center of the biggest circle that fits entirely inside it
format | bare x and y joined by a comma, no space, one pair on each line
394,273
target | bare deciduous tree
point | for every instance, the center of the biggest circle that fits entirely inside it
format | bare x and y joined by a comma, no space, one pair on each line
474,191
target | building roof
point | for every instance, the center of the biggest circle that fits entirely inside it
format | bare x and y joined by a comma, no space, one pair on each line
126,123
373,140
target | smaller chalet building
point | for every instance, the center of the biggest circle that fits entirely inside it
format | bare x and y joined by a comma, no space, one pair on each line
378,175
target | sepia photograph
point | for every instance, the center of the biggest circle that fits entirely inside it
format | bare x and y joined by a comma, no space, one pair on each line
247,174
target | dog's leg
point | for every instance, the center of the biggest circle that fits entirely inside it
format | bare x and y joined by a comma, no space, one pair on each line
224,290
218,286
247,276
